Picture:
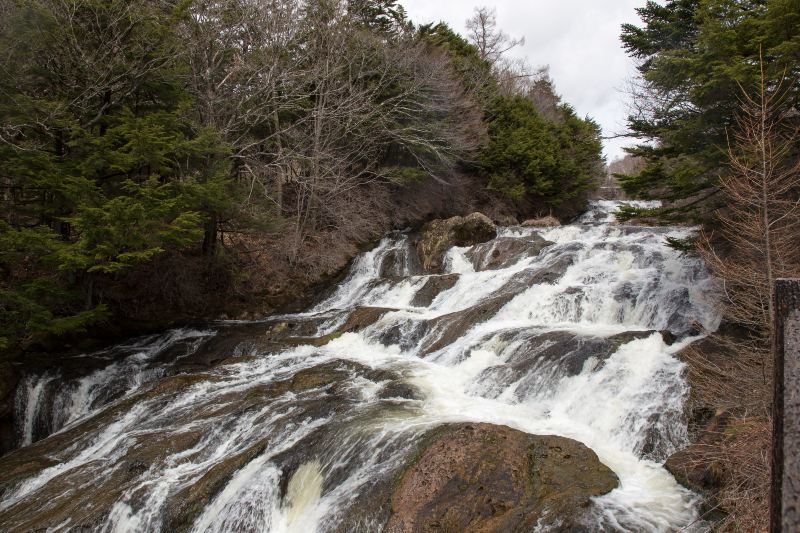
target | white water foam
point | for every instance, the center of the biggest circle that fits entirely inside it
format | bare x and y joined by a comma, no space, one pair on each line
623,400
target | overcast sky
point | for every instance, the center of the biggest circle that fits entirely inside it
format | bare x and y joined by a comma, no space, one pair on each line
579,39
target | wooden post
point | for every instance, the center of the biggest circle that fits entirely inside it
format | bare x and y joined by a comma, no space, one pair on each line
785,501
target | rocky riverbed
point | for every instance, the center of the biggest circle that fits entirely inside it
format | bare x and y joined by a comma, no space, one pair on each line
465,378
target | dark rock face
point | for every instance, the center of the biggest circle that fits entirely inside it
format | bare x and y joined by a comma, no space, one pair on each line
400,262
434,286
691,466
8,384
358,320
542,360
440,235
450,327
486,478
505,251
547,274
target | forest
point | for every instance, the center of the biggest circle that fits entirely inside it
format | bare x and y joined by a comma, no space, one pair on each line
155,154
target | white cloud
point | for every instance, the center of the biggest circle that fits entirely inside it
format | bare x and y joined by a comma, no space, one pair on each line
579,39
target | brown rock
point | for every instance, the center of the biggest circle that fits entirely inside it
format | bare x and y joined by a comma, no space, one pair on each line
440,235
486,478
358,320
363,317
451,326
696,467
434,286
505,251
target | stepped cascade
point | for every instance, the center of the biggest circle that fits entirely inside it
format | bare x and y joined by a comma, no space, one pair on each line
290,423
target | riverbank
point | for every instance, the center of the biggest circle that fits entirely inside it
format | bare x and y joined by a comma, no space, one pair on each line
728,460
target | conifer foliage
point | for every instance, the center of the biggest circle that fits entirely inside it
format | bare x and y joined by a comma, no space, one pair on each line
135,129
696,58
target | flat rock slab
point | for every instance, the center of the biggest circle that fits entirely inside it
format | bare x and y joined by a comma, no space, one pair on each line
483,478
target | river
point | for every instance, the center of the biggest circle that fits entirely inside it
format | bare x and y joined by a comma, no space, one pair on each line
285,424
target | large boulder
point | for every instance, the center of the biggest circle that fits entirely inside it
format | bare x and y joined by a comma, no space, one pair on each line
440,235
485,478
697,467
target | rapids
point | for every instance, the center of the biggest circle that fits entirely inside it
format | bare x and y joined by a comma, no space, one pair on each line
285,424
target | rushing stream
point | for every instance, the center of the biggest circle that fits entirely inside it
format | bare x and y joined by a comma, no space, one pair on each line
288,424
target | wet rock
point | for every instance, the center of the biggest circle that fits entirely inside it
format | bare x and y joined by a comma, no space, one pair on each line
540,361
17,467
444,330
434,286
440,235
505,251
542,222
400,262
695,469
321,376
93,495
363,317
571,351
405,333
549,273
48,511
358,320
400,390
187,504
669,337
486,478
568,351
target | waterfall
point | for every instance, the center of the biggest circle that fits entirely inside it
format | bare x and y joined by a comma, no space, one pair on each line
286,424
45,403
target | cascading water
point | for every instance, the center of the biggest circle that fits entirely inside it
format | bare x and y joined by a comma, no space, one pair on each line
289,422
47,402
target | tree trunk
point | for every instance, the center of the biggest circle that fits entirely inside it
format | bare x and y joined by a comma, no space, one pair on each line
210,236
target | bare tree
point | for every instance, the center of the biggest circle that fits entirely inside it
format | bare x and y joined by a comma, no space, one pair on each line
244,79
492,43
758,242
761,223
629,164
369,111
317,106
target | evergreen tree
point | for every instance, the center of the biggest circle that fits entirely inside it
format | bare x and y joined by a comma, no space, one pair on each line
696,59
102,165
528,154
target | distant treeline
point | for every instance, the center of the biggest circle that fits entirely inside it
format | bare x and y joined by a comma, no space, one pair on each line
135,131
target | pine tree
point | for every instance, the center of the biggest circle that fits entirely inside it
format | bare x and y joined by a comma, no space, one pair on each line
694,59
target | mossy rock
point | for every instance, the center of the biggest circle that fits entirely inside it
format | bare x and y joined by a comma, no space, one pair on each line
440,235
484,478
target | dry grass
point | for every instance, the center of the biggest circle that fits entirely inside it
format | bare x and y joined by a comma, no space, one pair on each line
729,379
